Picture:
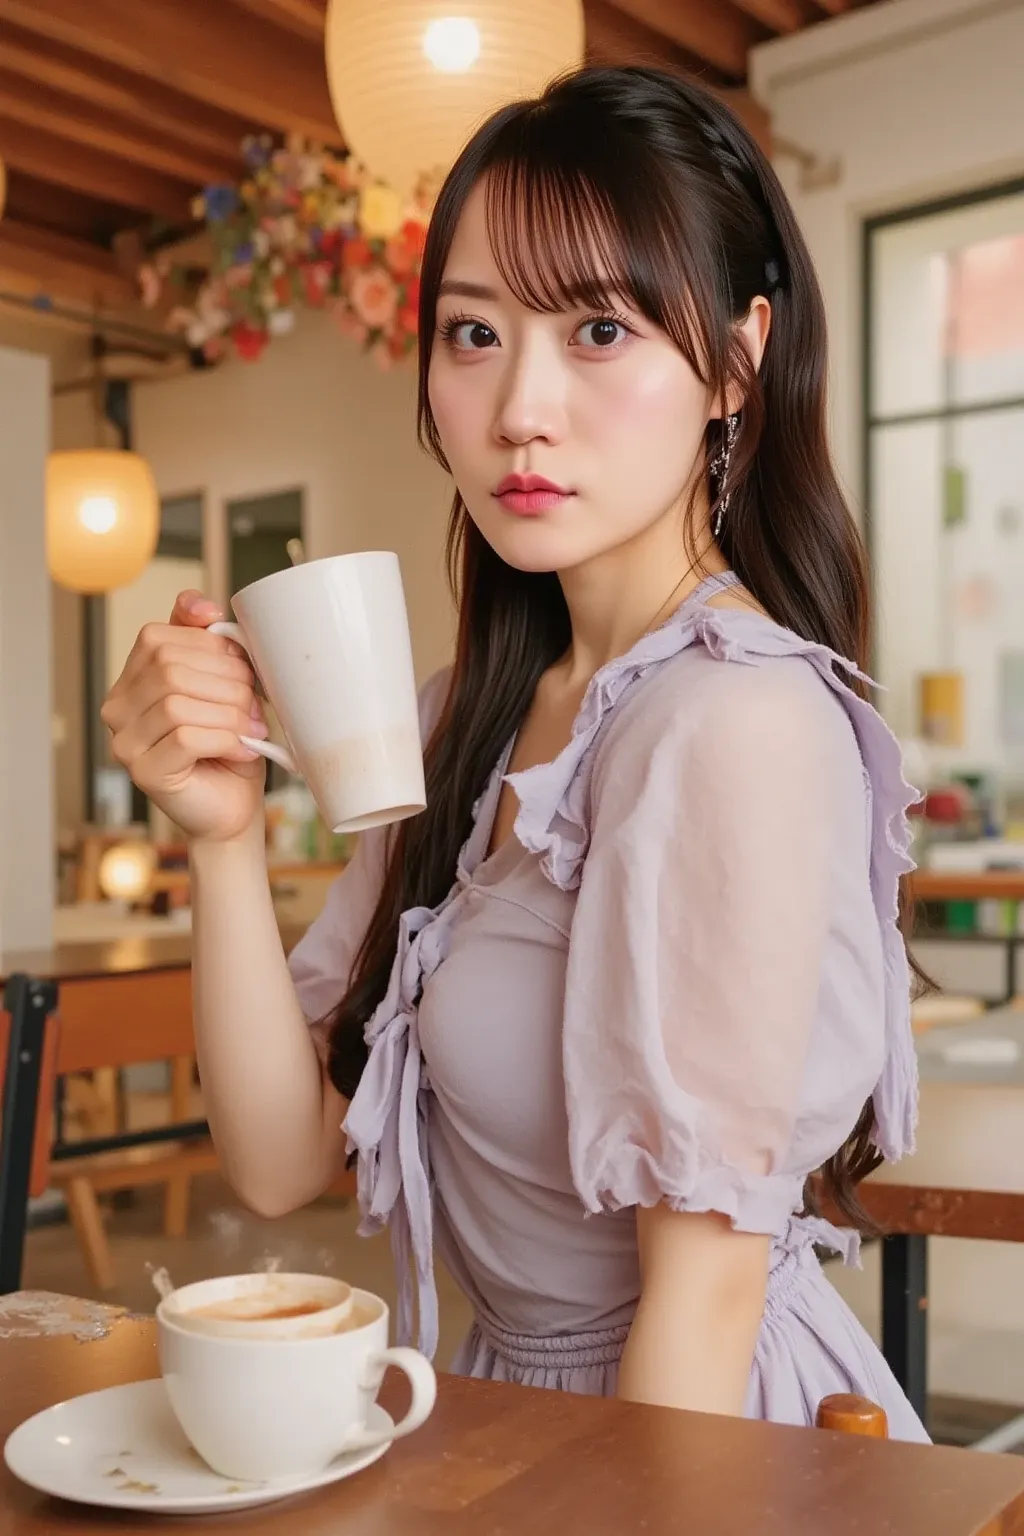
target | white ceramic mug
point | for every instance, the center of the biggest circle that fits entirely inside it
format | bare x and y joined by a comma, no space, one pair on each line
262,1410
330,643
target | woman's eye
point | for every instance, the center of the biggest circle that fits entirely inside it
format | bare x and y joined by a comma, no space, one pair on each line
594,334
471,336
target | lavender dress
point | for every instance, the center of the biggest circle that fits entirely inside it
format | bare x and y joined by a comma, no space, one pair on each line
679,981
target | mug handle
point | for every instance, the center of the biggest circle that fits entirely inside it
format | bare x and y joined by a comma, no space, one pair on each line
420,1374
268,749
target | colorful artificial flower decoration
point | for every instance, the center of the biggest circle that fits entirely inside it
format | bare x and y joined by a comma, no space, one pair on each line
308,227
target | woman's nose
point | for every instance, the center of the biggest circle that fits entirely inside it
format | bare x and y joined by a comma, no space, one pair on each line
531,402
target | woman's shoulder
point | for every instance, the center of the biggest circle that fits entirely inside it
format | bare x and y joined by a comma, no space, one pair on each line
712,700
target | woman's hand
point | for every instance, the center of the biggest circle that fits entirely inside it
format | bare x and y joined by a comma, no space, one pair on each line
175,715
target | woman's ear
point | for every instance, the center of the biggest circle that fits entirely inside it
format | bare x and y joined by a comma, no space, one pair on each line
752,333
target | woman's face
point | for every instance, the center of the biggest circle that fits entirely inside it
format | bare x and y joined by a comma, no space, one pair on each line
568,434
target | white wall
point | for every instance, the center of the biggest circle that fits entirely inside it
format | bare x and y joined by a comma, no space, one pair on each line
315,413
917,99
26,795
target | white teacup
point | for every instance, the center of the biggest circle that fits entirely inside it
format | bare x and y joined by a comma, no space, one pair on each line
330,643
261,1409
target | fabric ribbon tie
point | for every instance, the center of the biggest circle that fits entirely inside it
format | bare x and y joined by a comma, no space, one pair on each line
386,1125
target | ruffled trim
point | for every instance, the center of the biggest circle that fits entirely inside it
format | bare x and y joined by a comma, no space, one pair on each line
387,1120
554,813
630,1176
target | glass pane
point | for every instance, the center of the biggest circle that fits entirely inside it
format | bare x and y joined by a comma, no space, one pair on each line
948,541
906,536
986,579
261,529
986,320
947,308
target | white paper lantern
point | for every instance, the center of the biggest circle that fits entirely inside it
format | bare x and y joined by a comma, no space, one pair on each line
411,80
102,518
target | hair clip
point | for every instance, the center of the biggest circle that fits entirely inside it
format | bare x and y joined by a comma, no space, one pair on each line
773,276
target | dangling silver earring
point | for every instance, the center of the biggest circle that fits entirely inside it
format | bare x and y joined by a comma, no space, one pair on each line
720,468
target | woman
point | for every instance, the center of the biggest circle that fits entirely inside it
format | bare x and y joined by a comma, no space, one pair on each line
592,1020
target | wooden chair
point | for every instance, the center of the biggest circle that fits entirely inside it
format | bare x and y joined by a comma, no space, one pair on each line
851,1414
115,1021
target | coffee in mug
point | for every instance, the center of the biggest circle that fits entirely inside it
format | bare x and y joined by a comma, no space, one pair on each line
280,1306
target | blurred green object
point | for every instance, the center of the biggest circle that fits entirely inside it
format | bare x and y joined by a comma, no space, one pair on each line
960,916
954,496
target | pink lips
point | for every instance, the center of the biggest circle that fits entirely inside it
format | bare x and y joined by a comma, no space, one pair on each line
530,495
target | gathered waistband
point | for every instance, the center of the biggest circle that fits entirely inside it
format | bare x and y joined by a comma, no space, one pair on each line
560,1352
604,1346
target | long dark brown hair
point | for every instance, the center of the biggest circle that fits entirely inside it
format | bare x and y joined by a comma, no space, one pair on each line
635,182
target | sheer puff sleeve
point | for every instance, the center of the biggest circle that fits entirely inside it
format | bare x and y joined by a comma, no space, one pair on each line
321,963
699,937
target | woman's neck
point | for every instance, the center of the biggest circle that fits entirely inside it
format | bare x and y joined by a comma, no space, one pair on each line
619,596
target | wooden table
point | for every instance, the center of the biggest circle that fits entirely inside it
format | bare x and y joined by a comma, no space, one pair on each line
967,885
943,885
499,1461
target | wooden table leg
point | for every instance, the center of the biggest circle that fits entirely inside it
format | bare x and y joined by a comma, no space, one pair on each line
87,1220
905,1314
179,1187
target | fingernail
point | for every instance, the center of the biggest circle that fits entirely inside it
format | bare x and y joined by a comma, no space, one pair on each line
255,709
258,728
202,605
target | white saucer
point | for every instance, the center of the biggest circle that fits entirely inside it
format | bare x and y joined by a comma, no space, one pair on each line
124,1449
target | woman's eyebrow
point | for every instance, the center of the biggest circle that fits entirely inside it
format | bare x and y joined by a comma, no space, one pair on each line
457,289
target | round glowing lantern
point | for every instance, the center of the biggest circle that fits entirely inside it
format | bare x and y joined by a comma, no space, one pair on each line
410,80
126,870
102,518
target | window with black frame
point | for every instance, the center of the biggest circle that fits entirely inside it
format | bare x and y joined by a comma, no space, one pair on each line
944,472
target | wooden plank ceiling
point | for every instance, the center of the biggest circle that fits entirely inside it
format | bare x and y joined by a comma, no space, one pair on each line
113,113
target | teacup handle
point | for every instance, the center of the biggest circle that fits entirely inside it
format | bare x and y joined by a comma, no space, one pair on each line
423,1382
268,749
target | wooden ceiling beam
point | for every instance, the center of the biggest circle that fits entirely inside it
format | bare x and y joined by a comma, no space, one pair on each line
31,201
114,90
37,106
711,29
306,18
246,65
34,261
615,38
780,15
60,160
